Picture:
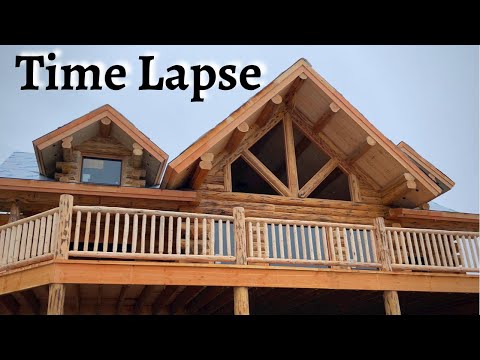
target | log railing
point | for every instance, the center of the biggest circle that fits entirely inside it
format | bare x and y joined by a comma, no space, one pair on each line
123,233
433,250
138,234
28,240
310,243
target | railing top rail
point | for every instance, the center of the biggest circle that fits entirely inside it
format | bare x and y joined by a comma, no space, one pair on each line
307,223
432,231
30,218
106,209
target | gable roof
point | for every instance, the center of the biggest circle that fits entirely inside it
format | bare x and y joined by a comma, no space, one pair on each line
48,147
385,164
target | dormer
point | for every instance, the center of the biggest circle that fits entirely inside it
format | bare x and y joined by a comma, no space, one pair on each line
101,147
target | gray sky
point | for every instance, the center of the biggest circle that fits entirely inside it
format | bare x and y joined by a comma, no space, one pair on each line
427,96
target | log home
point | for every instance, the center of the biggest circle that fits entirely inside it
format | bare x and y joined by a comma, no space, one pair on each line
294,204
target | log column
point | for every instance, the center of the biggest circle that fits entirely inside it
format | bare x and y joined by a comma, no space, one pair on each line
390,297
240,293
61,243
14,212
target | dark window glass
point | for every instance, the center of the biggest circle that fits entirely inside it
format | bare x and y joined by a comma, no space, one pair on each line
246,180
101,171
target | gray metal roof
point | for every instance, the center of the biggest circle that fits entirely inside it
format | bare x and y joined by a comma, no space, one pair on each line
21,165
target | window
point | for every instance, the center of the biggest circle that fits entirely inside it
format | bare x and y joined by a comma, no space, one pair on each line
101,171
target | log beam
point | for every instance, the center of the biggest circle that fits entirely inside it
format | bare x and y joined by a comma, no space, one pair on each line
398,188
10,303
67,149
294,88
265,173
179,305
121,298
137,155
142,298
361,150
56,299
204,166
268,111
326,117
237,137
105,127
291,161
165,298
204,298
317,179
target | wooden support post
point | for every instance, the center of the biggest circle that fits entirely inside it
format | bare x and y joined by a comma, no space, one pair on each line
240,293
237,137
67,149
291,162
61,242
204,166
137,155
14,212
268,111
294,88
390,297
56,299
355,193
105,127
325,117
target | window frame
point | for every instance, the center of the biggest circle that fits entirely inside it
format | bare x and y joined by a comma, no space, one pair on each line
102,157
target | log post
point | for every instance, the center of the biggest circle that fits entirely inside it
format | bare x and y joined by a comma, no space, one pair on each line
390,297
61,243
14,212
240,293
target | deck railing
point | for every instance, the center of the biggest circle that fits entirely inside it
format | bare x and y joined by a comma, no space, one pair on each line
153,235
433,250
138,234
28,240
310,243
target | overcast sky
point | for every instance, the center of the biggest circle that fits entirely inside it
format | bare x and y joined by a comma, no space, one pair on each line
427,96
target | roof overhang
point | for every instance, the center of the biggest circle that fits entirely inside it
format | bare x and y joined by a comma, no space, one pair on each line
48,147
385,163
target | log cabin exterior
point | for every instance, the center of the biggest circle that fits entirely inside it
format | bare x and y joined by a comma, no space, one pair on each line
294,204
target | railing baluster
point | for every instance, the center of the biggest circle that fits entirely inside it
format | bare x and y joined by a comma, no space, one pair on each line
295,241
475,243
429,249
473,253
187,236
339,243
41,239
86,236
36,236
310,242
304,244
250,239
287,239
18,238
453,247
332,242
126,232
404,249
204,236
115,232
9,245
23,242
170,235
324,242
424,252
463,254
397,246
161,235
353,247
274,242
317,243
134,233
367,246
417,249
142,234
447,250
259,241
435,249
220,237
77,231
266,240
152,234
442,250
2,244
358,238
411,254
179,235
195,237
347,247
229,241
106,232
97,231
212,236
